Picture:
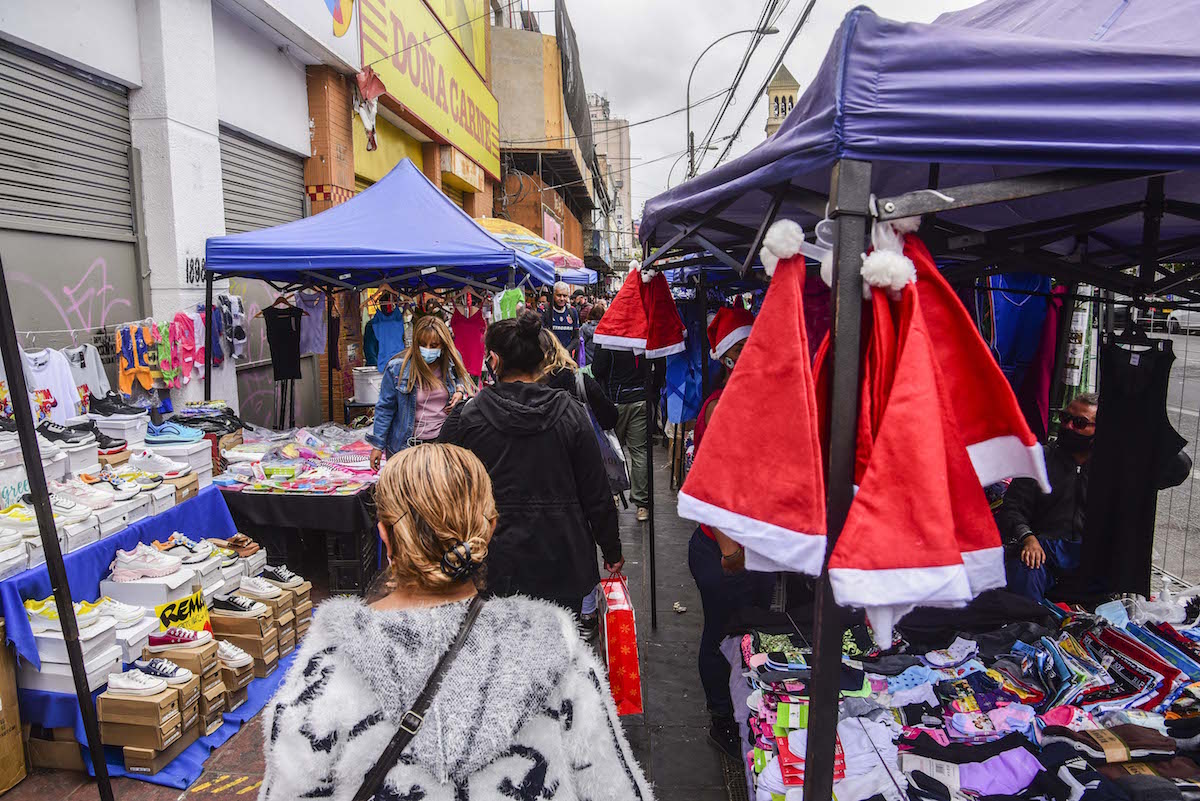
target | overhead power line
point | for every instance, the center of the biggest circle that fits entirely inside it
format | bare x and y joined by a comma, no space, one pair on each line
770,74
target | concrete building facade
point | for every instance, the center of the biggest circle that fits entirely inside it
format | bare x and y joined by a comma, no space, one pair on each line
781,98
612,142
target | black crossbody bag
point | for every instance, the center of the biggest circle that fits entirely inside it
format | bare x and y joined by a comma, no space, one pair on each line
410,722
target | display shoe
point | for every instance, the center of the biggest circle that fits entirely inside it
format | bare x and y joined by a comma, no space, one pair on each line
43,615
121,488
257,588
47,449
280,576
176,637
228,557
19,517
112,407
238,606
230,656
172,432
240,544
143,562
151,462
125,615
192,552
164,669
9,538
67,438
104,443
135,682
81,493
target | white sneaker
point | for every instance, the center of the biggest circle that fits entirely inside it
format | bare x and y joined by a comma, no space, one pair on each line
259,588
9,538
164,669
190,551
43,615
230,656
135,682
65,510
150,462
82,494
142,562
47,449
124,614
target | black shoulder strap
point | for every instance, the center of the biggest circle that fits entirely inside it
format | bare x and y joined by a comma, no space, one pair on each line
410,722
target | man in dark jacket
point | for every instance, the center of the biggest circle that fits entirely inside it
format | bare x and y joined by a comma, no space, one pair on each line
1044,533
550,486
623,375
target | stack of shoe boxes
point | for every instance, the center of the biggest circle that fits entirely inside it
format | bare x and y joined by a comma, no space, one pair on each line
146,726
202,661
236,680
258,636
101,656
135,637
186,487
302,607
197,454
285,623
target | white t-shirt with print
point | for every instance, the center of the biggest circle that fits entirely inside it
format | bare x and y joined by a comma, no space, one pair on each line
87,372
51,386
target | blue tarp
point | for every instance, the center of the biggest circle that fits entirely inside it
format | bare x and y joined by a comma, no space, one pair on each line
579,276
1005,88
402,224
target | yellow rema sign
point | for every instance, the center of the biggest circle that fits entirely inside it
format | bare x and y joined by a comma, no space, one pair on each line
423,69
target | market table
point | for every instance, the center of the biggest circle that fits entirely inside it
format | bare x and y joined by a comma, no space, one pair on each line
347,522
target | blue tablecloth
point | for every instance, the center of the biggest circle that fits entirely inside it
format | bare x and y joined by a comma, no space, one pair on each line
203,516
55,710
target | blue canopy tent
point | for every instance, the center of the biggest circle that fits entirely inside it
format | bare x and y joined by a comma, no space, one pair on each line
577,276
402,230
1053,136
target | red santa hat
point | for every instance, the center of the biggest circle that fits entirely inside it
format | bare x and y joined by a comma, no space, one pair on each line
665,331
766,491
625,323
729,326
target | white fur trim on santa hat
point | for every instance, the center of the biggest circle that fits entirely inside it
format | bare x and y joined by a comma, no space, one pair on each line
889,594
669,350
634,264
732,338
985,569
907,225
635,344
1008,457
793,550
782,241
648,275
888,269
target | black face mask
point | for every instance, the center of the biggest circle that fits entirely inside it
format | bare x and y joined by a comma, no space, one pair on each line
1072,441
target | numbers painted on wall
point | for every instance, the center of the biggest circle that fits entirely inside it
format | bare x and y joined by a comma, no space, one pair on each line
194,270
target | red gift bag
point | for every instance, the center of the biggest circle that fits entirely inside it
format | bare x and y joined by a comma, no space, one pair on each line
620,646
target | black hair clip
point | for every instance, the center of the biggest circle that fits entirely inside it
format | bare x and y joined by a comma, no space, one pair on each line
456,562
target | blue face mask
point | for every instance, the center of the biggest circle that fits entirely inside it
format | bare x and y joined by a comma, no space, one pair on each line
431,355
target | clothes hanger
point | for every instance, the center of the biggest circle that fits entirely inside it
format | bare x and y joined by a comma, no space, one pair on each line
282,302
1134,333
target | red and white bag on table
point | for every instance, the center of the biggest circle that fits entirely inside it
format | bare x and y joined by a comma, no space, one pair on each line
619,635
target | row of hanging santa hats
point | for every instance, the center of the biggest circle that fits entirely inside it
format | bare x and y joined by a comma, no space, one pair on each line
937,421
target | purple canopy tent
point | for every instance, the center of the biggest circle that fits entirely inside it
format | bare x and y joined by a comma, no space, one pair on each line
1056,136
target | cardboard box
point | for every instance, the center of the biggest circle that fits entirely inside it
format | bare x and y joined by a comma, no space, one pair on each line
280,604
122,514
162,498
302,629
286,621
191,716
115,459
151,592
134,638
197,454
12,758
287,644
152,737
204,477
49,748
213,722
199,659
265,667
234,573
139,710
212,700
189,693
236,679
80,459
210,678
77,535
302,610
96,638
258,626
56,678
256,562
235,698
186,487
147,761
300,594
264,647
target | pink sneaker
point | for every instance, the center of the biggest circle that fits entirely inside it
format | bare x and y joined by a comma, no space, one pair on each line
143,562
176,637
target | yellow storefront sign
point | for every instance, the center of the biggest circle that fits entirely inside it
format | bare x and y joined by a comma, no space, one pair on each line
188,613
467,21
424,70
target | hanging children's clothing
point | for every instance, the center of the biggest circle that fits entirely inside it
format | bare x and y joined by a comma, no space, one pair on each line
183,346
283,339
313,331
468,338
234,315
388,330
51,386
134,358
88,373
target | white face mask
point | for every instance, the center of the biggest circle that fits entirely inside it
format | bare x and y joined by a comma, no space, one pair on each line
431,355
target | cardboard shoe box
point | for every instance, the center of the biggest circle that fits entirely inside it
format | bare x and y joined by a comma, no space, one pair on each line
151,592
235,698
199,659
115,460
256,562
96,638
12,760
55,749
287,625
162,498
236,678
213,722
287,643
279,604
189,693
303,611
260,647
152,711
300,594
186,487
155,738
134,638
57,678
191,716
148,761
258,626
265,667
212,700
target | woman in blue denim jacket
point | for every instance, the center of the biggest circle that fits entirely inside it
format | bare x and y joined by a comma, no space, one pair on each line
419,388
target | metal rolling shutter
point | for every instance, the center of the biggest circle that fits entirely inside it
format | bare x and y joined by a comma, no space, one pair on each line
262,186
454,194
64,150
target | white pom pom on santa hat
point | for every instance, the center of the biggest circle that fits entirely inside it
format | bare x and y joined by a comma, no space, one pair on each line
782,241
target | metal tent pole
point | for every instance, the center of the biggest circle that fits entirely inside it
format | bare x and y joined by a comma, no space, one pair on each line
702,302
329,353
650,404
208,297
15,370
849,206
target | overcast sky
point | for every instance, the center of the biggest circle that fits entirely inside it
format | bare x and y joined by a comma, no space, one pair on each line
639,53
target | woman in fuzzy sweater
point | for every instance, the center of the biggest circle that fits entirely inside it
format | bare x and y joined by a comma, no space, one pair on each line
524,711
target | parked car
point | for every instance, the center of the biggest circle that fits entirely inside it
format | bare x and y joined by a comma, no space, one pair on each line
1183,321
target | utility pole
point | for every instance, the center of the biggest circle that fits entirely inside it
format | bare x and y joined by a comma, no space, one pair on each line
691,153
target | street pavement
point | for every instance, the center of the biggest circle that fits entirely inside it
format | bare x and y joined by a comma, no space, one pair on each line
1177,529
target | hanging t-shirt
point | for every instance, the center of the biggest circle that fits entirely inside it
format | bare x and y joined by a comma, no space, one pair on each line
313,328
51,386
1017,321
468,338
283,338
505,304
88,373
389,334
